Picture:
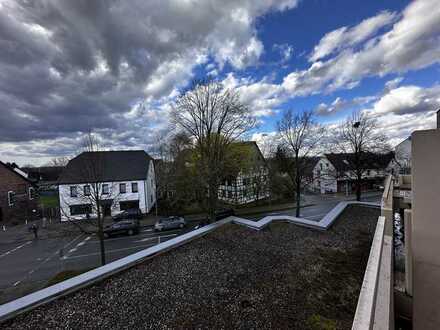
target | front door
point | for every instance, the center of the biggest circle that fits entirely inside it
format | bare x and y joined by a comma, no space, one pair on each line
107,210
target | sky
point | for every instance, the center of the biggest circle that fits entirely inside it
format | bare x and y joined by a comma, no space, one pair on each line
115,67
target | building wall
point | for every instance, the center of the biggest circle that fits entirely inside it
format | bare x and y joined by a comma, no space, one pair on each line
426,228
23,207
325,179
66,200
150,188
233,191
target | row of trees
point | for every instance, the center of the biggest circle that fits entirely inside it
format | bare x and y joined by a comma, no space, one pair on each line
211,118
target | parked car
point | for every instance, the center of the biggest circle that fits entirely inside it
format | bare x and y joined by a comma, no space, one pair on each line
169,223
127,227
219,214
128,214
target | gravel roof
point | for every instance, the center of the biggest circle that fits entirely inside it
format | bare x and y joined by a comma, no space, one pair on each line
284,276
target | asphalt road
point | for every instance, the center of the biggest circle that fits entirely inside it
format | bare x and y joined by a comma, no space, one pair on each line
27,266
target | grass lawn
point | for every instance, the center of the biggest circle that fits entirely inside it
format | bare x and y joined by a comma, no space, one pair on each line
49,201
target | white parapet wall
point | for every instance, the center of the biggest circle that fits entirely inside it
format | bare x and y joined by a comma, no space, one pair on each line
30,301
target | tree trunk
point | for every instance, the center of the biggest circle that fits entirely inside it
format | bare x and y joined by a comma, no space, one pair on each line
358,188
101,238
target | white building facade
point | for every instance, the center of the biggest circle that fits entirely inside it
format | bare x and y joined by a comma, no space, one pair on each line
129,189
332,173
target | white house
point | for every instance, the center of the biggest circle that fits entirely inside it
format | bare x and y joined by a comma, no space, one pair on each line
121,180
335,172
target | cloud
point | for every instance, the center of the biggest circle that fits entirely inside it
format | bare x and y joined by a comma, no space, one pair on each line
346,37
285,51
69,66
412,43
340,104
410,99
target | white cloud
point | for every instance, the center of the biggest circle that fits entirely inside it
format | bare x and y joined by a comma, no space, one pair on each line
346,37
408,100
412,43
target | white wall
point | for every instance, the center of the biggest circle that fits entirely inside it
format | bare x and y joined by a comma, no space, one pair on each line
150,188
324,180
66,200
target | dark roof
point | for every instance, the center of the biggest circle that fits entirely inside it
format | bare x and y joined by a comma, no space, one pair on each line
43,173
309,165
345,161
108,165
15,172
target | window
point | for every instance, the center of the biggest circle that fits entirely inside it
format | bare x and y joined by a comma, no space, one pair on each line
246,181
86,190
122,188
73,191
11,198
105,189
151,199
31,193
134,187
80,209
368,172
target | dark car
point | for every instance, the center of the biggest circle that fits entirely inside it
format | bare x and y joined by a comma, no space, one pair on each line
128,214
169,223
124,227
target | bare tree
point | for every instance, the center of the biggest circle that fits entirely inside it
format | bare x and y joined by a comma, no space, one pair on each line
300,135
213,117
93,194
361,139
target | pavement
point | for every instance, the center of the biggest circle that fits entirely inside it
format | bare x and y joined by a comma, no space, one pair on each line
27,264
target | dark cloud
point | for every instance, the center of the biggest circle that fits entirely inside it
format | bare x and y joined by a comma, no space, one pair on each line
70,66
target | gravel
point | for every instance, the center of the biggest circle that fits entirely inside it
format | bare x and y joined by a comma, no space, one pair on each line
284,276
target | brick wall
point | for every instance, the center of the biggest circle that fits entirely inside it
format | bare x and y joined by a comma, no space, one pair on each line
23,205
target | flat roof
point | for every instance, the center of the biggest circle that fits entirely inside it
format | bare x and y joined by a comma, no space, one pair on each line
284,276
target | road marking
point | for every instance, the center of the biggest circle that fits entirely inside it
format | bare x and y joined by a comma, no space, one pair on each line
156,237
46,259
110,251
147,230
77,246
15,249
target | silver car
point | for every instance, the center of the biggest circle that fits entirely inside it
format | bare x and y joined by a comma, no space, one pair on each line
169,223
